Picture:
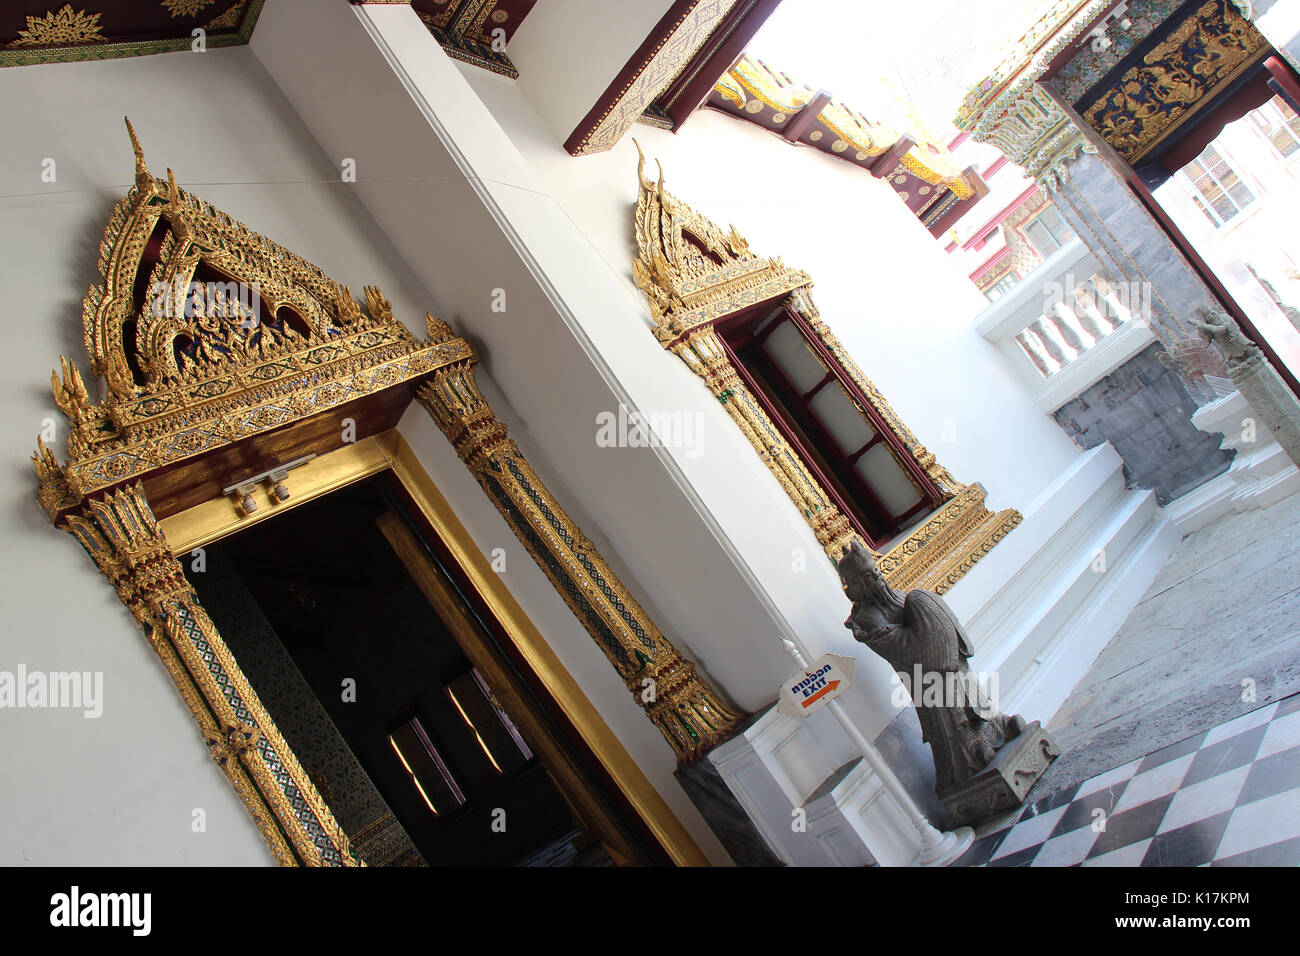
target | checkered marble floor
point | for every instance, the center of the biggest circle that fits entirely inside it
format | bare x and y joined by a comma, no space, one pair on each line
1226,797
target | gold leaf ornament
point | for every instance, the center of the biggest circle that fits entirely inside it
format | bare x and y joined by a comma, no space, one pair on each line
66,26
185,8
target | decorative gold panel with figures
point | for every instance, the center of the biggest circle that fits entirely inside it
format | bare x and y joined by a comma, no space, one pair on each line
1199,59
205,334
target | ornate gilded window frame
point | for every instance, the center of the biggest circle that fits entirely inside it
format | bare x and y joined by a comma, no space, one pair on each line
695,275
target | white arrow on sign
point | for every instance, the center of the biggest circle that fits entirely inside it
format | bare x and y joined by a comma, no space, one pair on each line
812,689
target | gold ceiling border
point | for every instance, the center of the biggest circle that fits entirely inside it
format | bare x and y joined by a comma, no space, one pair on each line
692,282
757,79
618,109
1176,78
751,84
458,28
691,715
15,55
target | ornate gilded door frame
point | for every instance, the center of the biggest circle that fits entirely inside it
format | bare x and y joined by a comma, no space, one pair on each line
234,338
690,714
388,453
695,276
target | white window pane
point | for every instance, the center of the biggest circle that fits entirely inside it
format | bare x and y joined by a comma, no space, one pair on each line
842,418
888,480
794,357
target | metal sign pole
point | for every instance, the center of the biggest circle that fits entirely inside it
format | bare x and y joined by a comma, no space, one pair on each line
937,849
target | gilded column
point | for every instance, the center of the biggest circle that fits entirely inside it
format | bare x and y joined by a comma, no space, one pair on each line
691,715
121,534
705,356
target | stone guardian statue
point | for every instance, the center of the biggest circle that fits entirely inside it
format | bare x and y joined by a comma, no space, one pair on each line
1275,405
984,762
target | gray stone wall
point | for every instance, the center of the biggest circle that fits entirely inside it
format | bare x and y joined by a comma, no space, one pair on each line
1144,410
1130,244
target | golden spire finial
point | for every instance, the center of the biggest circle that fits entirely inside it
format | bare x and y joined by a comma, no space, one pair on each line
141,170
640,170
173,191
640,162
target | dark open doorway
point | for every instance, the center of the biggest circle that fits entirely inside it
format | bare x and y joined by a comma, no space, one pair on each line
425,752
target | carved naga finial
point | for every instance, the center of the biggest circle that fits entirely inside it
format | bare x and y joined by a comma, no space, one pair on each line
174,202
70,393
141,170
657,187
349,313
640,164
439,331
377,305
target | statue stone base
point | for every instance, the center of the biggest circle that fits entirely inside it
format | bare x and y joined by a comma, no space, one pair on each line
1002,785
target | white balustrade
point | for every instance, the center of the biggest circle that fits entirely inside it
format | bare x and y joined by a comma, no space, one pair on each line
1067,325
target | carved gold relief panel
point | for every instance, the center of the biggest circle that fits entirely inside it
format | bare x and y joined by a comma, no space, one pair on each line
1175,79
206,333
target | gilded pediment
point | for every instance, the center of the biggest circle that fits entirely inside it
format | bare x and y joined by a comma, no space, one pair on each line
204,332
692,271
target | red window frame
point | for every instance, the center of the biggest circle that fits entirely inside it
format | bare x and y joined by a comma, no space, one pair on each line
801,427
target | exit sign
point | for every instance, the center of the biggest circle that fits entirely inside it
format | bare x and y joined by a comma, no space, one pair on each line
812,689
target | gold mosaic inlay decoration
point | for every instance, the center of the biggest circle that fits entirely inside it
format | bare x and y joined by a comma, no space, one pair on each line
690,714
241,375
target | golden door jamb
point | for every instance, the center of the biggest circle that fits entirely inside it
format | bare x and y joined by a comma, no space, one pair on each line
212,520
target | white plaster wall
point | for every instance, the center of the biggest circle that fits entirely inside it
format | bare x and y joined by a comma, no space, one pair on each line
896,300
468,214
